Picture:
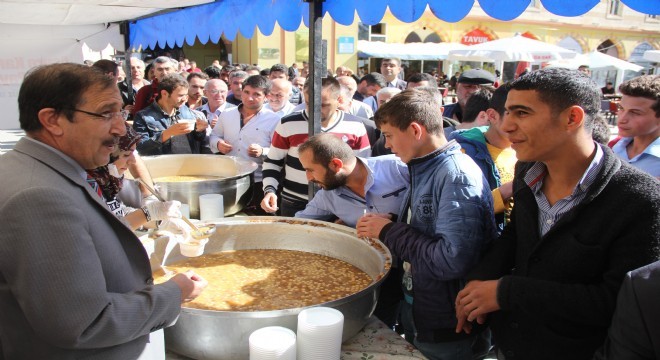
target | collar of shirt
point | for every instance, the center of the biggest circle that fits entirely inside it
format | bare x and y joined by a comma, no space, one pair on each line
620,148
536,174
67,158
392,83
217,112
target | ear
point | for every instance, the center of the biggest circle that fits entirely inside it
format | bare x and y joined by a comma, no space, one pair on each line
482,119
335,165
493,116
50,120
575,117
418,129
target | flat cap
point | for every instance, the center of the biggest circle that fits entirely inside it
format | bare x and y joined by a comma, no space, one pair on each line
477,77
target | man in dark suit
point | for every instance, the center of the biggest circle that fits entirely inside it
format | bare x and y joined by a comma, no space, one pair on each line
390,68
75,281
635,330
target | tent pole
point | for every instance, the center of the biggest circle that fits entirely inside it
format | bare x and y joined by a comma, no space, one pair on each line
317,70
124,29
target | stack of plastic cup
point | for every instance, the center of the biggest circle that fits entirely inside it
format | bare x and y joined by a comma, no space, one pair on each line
319,333
273,343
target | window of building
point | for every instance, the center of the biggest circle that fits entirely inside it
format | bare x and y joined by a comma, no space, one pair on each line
378,32
372,33
615,8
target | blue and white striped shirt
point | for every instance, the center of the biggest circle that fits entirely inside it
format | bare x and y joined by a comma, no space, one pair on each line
549,215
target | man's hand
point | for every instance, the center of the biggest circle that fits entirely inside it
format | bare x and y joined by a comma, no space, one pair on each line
191,285
371,224
174,130
506,190
474,302
224,147
201,125
269,203
255,150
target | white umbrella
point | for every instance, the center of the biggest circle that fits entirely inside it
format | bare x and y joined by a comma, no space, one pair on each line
597,60
517,48
652,55
408,51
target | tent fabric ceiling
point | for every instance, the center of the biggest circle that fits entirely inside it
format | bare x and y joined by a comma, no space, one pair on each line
409,51
210,21
83,12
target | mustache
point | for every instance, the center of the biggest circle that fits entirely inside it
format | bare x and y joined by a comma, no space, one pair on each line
111,142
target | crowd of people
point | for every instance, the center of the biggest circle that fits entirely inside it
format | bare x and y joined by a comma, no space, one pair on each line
516,221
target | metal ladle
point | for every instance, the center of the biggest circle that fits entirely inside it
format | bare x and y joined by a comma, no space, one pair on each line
197,233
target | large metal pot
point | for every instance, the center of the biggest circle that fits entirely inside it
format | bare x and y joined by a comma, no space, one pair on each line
204,334
234,183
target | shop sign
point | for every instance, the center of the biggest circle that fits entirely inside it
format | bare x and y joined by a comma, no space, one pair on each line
345,45
475,36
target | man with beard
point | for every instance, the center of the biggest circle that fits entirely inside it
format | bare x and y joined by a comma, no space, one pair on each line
196,83
75,282
168,127
292,131
246,131
278,97
352,186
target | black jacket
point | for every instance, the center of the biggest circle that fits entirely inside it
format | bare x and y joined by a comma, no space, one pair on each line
558,292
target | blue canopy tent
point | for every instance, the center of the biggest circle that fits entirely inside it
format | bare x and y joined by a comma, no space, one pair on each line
208,22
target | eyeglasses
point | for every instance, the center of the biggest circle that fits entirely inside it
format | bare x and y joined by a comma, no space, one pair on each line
107,116
215,91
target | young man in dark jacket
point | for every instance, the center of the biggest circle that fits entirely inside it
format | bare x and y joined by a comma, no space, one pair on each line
581,220
446,222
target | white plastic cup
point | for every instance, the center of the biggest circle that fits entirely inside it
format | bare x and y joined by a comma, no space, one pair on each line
273,343
319,333
192,248
191,123
211,206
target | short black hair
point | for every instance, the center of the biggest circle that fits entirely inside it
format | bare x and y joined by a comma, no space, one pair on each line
258,82
171,82
199,75
281,68
375,78
419,77
477,102
646,86
561,88
498,101
107,66
213,72
59,86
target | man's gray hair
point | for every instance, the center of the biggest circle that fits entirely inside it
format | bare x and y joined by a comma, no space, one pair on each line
238,74
388,90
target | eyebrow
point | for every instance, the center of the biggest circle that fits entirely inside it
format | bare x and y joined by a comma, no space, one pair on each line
518,107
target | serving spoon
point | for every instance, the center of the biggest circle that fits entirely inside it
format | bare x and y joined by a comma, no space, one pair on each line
197,233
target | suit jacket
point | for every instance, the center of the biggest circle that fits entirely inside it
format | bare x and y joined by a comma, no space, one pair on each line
635,330
401,84
75,282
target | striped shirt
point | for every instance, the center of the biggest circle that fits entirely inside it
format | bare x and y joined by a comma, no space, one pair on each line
549,215
292,131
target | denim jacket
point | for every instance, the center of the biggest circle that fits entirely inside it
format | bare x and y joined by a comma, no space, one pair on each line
451,223
152,121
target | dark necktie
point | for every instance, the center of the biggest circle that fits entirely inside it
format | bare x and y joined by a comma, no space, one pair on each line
95,186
